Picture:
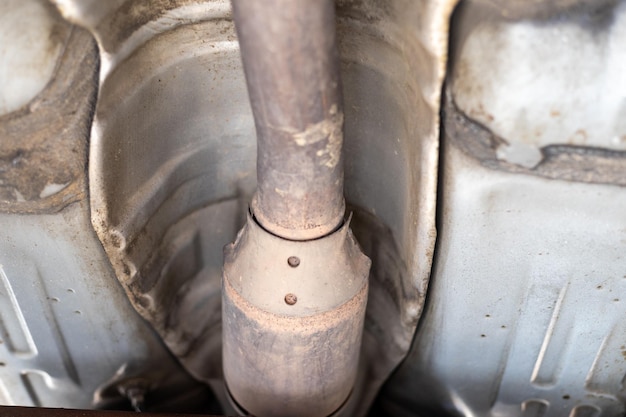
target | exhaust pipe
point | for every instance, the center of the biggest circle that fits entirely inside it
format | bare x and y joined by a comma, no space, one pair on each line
292,70
295,284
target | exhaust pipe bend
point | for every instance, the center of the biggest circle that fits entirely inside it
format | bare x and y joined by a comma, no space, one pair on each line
291,64
295,281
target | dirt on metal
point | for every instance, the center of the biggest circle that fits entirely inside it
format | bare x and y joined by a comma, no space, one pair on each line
562,162
292,74
43,145
62,412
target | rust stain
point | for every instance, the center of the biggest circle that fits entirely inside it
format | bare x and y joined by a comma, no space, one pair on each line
481,113
579,137
588,164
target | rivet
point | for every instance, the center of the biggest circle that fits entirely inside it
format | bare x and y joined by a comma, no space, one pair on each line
291,299
293,261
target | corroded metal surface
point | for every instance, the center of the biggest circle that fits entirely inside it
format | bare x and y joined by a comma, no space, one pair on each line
292,356
291,63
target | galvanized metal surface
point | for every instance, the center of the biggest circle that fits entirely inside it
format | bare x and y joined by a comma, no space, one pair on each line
563,162
33,36
392,61
68,335
67,328
537,328
171,175
552,80
157,220
526,306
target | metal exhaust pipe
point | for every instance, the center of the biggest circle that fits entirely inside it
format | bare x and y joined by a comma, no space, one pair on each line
292,70
295,284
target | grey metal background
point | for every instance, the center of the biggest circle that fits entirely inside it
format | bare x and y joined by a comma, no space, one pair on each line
526,310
